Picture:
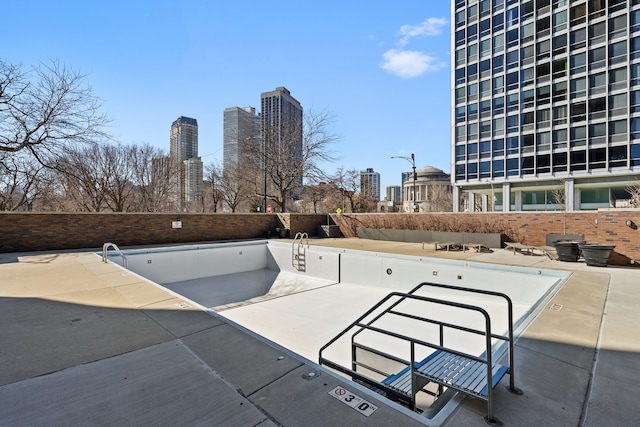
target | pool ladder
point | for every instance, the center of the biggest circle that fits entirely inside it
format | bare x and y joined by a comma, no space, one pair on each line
105,248
298,252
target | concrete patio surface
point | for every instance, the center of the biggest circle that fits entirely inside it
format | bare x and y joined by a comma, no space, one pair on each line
88,343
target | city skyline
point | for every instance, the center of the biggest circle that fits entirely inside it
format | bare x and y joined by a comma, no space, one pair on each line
382,70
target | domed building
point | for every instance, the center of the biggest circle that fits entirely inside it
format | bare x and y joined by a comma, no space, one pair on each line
433,191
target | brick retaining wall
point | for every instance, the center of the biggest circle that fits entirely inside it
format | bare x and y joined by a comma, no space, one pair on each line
51,231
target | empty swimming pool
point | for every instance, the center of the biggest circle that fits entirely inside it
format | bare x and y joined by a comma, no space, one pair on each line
302,296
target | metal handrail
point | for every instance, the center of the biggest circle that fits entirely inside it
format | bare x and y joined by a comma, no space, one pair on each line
299,235
105,248
488,356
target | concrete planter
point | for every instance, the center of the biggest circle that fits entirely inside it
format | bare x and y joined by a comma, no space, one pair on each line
596,255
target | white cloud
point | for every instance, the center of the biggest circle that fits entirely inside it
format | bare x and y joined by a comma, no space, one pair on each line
428,27
408,63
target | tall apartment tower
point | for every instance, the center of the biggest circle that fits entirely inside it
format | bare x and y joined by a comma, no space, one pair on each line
281,126
241,137
545,103
370,184
184,152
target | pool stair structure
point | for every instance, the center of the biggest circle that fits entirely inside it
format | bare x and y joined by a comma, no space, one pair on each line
378,346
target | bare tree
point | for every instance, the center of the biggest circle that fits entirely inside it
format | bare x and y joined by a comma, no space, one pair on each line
559,198
295,151
214,178
101,177
348,181
634,192
46,111
21,182
153,172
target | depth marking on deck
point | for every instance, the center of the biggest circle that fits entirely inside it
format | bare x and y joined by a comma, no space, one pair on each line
353,401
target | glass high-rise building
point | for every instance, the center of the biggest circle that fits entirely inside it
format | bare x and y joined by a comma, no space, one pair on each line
241,137
183,151
545,103
281,128
370,184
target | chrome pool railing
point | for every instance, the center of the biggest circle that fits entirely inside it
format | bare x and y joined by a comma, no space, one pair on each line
298,253
105,249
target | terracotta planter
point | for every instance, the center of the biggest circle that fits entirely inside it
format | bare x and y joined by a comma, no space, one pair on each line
596,255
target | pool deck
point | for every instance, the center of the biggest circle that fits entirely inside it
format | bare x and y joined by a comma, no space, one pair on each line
87,343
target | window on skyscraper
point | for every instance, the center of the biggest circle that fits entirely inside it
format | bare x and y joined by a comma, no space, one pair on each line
498,147
597,8
461,57
597,33
618,52
543,95
559,162
527,167
528,143
578,112
634,48
559,68
559,44
560,115
526,10
634,20
543,141
559,21
635,154
542,27
578,87
578,136
618,79
597,134
559,138
543,163
635,102
498,168
597,58
578,14
543,72
597,108
618,105
559,91
618,156
485,108
543,49
513,102
498,105
527,32
485,27
616,5
578,161
597,158
543,118
578,39
512,17
513,167
618,130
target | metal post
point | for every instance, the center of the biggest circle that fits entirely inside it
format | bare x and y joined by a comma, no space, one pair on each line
411,159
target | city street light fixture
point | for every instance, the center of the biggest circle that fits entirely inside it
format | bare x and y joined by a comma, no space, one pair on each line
412,160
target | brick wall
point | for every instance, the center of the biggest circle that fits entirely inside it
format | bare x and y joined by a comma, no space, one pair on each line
603,226
52,231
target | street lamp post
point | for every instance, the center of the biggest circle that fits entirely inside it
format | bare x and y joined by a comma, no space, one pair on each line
412,160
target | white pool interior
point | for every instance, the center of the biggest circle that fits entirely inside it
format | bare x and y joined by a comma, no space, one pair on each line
261,286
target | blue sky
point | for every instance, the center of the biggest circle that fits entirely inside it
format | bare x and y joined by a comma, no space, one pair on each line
381,68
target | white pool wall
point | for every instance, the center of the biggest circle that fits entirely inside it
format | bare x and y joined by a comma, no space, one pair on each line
179,263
